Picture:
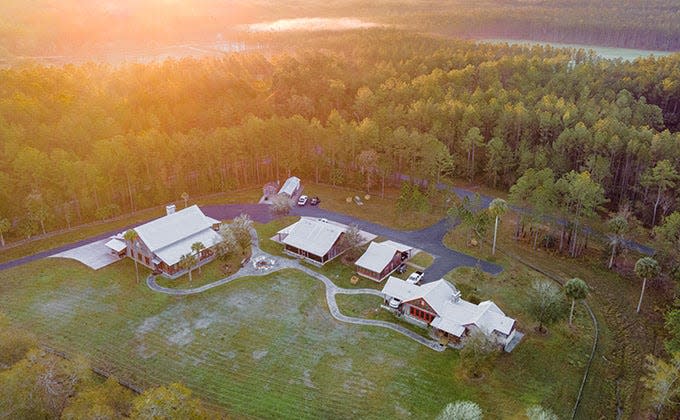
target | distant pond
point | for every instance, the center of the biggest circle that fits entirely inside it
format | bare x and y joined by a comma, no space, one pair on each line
610,53
310,24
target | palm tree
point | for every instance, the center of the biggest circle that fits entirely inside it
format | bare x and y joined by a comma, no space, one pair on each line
185,197
187,262
197,247
130,237
4,227
498,207
617,226
645,267
575,289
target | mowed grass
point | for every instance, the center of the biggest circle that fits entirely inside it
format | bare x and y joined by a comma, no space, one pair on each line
422,259
268,347
376,209
215,270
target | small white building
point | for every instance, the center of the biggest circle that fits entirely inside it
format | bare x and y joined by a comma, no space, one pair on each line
291,187
439,305
161,243
381,259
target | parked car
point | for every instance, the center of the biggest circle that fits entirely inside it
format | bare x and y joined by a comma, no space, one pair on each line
302,200
314,201
401,269
415,277
394,303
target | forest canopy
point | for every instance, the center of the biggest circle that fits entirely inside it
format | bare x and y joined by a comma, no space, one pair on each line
88,142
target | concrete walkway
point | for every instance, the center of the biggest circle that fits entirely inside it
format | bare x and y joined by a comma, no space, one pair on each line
282,263
94,255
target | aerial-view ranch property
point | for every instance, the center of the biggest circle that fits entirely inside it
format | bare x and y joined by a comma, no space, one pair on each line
289,327
399,209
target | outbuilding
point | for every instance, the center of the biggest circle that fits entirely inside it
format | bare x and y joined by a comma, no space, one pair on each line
291,187
381,259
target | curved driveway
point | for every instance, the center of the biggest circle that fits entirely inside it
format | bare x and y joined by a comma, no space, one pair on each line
428,239
331,290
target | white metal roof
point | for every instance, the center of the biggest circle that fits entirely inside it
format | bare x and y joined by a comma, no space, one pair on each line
454,313
376,257
397,246
448,325
172,253
174,227
290,186
379,254
316,236
116,244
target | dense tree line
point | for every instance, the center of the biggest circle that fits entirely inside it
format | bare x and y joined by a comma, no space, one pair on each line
629,23
91,141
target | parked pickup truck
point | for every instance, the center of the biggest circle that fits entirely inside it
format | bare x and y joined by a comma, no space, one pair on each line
415,277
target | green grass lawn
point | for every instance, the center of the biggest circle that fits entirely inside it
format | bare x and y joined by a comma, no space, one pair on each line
422,259
376,209
368,306
267,230
211,272
268,347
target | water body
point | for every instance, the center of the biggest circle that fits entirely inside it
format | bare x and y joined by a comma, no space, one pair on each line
609,53
142,55
198,50
310,24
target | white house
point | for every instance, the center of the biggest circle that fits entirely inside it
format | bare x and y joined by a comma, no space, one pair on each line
161,243
317,240
291,187
439,305
381,259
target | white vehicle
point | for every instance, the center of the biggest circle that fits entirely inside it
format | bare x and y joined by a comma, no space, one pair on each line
394,303
415,277
302,200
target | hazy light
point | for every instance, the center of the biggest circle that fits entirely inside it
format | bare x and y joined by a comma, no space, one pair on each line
310,24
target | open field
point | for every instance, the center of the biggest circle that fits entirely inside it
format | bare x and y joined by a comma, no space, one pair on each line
268,347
